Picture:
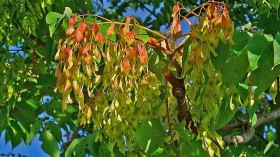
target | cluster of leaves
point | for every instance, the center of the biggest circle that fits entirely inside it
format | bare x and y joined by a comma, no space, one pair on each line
127,95
205,87
108,72
20,18
27,74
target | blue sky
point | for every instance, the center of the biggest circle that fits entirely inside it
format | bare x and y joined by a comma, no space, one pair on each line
32,150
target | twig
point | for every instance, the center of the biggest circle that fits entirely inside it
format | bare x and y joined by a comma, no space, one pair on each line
121,23
235,126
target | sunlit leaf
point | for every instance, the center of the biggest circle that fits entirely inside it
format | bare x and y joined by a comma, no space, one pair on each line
267,147
156,66
160,152
68,12
20,131
150,135
55,130
52,29
259,50
71,147
52,17
185,55
50,145
276,48
253,120
263,77
141,34
35,128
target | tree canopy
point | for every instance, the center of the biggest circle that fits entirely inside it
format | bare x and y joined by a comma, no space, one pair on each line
192,78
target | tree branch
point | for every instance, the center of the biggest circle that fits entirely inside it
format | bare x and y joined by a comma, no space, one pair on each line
247,136
179,91
239,139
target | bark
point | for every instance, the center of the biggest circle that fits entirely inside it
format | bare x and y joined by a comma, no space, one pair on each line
179,92
247,135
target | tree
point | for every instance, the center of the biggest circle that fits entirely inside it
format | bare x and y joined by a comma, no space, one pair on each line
123,89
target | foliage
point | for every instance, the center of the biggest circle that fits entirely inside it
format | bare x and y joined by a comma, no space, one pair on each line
123,89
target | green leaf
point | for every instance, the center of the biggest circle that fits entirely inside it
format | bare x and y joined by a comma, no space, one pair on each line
19,130
271,135
93,146
103,29
52,18
55,130
68,12
156,66
21,117
259,50
50,145
7,136
160,153
104,151
270,143
24,114
141,34
150,135
183,132
117,153
193,149
185,55
80,148
242,91
253,120
4,118
71,147
269,21
225,114
263,77
274,3
276,47
12,135
35,128
52,29
252,110
235,69
241,39
32,103
223,52
252,3
90,19
41,67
